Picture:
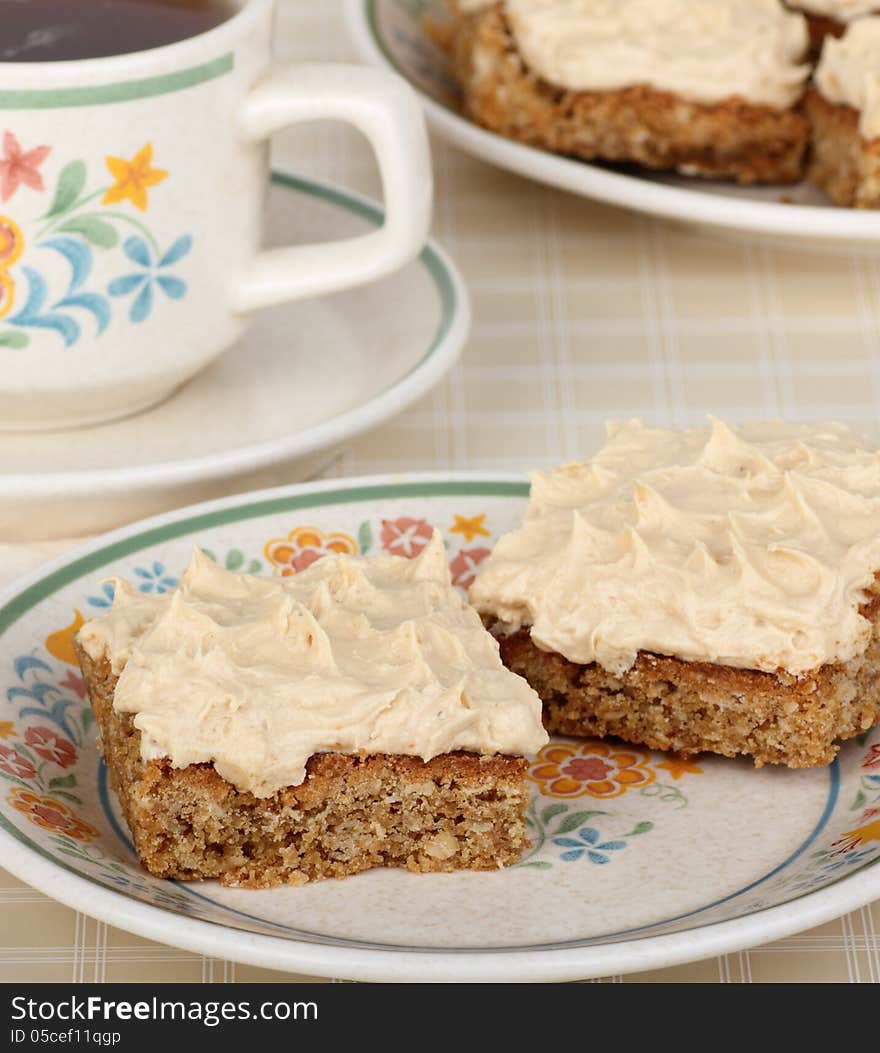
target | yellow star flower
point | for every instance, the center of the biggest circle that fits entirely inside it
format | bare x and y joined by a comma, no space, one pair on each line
470,527
133,178
678,766
853,838
6,729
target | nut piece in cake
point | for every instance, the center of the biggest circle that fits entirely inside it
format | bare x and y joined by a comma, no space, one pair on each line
844,113
272,730
706,87
709,589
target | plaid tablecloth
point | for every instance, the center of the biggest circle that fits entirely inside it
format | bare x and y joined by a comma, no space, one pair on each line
582,313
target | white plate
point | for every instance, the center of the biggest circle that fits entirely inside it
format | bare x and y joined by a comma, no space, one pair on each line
638,860
389,33
308,377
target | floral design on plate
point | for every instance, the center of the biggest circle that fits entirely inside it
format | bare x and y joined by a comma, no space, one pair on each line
236,561
49,745
593,769
470,527
303,546
405,536
554,826
51,814
463,566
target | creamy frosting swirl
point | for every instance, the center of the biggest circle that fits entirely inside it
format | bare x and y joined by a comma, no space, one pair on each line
703,50
849,73
749,547
255,675
839,10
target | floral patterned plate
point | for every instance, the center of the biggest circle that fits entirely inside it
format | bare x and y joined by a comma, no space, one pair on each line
638,859
392,34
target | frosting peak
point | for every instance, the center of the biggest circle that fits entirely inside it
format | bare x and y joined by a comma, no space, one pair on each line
255,675
748,546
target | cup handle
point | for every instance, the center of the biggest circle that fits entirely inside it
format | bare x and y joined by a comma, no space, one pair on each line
386,110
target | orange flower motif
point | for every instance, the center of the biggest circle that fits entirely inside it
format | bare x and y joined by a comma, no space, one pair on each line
678,765
51,814
60,644
595,769
133,178
7,294
303,546
11,242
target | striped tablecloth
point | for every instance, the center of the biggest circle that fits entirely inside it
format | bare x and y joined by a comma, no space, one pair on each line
582,313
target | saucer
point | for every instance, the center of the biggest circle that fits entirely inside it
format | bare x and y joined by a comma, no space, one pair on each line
306,378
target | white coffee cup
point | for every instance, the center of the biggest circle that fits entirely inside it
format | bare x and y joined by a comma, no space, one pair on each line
131,203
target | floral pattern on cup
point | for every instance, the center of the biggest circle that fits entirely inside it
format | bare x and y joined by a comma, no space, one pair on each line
11,250
303,546
152,273
20,167
80,221
133,179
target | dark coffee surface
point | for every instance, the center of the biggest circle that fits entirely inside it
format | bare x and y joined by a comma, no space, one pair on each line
59,30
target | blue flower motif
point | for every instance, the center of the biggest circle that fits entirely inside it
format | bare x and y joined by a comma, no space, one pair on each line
151,274
587,842
106,598
155,579
848,860
167,899
118,879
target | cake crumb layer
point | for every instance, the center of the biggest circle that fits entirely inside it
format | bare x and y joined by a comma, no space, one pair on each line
842,164
696,707
351,813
